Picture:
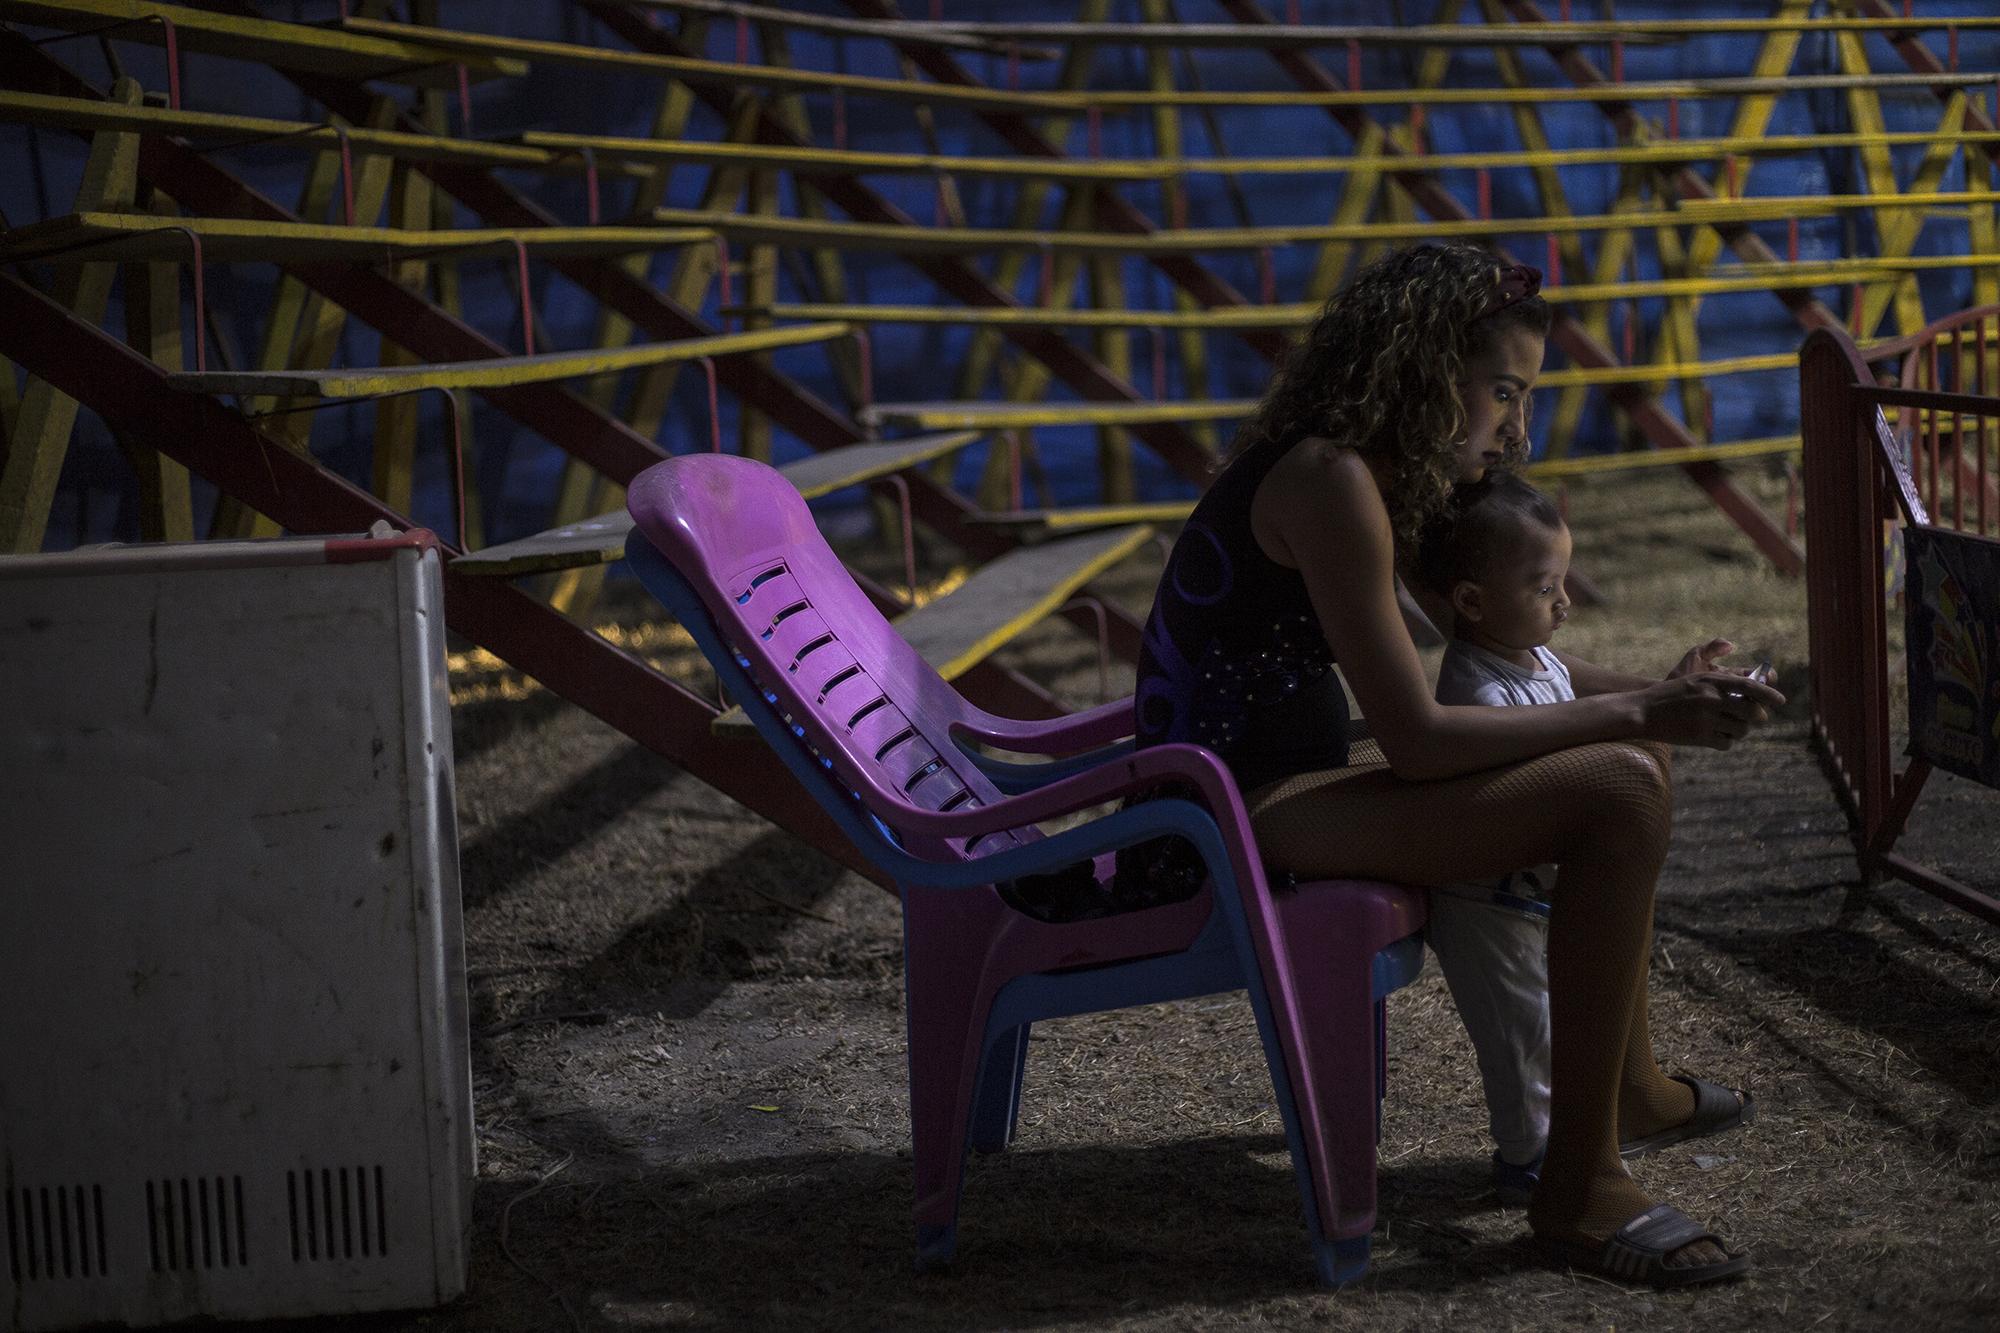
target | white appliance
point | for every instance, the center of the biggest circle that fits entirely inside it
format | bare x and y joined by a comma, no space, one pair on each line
234,1078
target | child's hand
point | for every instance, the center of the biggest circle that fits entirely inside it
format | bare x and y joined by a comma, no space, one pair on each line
1702,658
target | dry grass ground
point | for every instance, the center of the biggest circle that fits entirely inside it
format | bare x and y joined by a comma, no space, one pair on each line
690,1072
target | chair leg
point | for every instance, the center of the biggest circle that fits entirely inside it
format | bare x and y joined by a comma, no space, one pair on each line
1333,987
947,1021
997,1105
1340,1262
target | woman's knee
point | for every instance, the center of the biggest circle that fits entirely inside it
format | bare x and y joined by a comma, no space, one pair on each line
1629,786
1659,752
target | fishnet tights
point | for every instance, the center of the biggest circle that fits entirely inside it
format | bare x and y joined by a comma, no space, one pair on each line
1602,814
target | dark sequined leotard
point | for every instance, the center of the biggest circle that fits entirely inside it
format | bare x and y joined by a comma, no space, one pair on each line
1233,657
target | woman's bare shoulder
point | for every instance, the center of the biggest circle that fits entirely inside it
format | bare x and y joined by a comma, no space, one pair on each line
1319,490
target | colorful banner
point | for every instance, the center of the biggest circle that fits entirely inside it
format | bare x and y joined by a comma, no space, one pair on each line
1953,628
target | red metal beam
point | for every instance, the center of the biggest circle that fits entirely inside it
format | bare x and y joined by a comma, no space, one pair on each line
133,396
1070,363
809,417
1919,58
1114,212
571,423
1811,312
1660,429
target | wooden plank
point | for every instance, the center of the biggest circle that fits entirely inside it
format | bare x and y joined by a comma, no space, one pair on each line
852,465
495,372
601,540
356,55
590,541
99,235
997,602
1007,595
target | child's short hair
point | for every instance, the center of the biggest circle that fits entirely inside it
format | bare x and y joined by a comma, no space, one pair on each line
1484,522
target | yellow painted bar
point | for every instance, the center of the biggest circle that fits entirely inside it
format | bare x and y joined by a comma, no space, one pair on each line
1669,372
496,372
1707,27
1091,516
393,54
74,113
831,161
814,233
135,237
1176,511
1000,416
689,69
989,415
1275,37
1291,36
1780,206
1759,278
1643,458
839,27
1685,90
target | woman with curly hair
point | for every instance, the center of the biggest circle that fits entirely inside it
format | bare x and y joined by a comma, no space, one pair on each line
1416,377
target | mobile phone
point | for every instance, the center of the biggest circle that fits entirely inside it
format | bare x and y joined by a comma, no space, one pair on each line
1761,673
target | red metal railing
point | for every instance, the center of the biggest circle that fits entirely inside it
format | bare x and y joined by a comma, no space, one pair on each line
1866,479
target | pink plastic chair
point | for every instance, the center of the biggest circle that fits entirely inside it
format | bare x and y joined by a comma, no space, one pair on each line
884,744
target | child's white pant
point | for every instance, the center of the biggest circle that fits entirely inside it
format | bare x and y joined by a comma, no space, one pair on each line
1495,960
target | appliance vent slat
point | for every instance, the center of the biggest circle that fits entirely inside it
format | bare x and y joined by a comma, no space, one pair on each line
196,1223
55,1231
338,1213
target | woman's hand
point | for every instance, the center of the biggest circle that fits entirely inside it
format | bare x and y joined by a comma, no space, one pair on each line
1708,708
1702,658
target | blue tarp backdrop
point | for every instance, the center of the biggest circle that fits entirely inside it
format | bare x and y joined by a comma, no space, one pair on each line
517,472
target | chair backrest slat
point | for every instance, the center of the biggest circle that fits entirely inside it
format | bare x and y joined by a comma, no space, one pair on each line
875,714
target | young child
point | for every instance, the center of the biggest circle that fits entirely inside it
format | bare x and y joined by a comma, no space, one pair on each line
1500,559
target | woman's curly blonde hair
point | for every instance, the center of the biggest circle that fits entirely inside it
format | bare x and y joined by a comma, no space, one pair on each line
1380,368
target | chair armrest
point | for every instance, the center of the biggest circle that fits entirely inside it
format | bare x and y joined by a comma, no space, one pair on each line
1013,778
1219,827
1089,730
1115,777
